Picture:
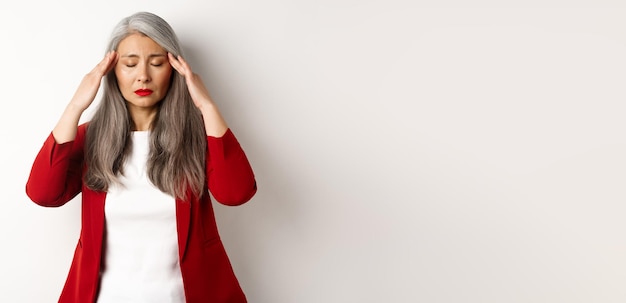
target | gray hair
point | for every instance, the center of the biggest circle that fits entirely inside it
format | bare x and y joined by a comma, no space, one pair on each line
177,157
149,25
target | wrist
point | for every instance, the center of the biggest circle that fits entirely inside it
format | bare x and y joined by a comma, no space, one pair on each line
207,108
74,108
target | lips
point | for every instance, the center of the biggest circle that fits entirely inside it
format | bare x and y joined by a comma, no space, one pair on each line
143,92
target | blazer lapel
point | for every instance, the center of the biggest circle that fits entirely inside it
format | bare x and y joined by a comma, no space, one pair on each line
183,218
93,219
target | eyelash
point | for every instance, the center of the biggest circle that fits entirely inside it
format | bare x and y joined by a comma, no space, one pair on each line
133,65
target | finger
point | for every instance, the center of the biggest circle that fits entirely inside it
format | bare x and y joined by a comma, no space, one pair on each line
105,65
184,64
113,58
175,64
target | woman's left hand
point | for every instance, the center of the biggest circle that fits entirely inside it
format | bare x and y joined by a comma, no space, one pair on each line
214,123
199,93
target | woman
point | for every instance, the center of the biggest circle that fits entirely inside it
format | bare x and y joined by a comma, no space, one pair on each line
153,149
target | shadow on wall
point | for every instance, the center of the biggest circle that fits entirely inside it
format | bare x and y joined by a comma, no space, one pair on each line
271,223
268,226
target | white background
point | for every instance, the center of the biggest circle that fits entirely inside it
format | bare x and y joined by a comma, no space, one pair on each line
405,151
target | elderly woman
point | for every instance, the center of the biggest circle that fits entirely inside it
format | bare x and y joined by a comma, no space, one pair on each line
144,164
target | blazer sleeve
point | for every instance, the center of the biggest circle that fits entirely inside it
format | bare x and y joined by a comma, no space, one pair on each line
229,174
56,175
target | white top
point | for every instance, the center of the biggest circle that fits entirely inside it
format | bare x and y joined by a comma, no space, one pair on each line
141,246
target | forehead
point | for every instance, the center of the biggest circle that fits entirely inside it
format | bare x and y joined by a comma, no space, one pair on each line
139,45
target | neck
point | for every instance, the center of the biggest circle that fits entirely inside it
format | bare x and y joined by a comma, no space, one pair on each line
142,118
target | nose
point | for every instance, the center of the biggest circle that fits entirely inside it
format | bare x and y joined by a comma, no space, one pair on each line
144,75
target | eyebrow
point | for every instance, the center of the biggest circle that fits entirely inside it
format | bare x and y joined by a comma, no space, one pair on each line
137,56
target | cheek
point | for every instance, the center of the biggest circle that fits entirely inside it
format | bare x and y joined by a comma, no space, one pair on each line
121,77
165,80
123,84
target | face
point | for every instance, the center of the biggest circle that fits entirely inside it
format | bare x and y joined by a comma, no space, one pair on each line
143,72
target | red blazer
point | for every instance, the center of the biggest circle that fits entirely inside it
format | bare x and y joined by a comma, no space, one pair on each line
56,178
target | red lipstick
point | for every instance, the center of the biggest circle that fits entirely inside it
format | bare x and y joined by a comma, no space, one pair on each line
143,92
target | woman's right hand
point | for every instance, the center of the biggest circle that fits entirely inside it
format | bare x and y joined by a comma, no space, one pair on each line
88,88
65,130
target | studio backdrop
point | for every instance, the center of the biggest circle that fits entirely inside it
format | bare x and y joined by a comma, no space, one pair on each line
405,151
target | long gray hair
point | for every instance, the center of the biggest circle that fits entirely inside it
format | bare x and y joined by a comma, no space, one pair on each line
176,161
